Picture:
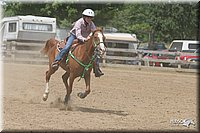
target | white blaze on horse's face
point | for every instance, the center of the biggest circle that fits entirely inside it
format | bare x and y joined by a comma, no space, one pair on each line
102,46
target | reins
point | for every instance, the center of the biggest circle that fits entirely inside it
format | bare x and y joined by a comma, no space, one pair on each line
85,66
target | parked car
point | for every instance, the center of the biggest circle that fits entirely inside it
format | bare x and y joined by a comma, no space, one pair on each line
186,56
189,58
156,46
155,56
159,46
193,63
143,46
184,45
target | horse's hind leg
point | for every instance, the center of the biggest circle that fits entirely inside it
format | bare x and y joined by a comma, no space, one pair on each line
48,76
87,91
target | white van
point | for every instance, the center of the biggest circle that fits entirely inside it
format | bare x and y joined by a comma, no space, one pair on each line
184,45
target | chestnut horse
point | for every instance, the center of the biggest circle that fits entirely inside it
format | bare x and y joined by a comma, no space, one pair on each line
79,62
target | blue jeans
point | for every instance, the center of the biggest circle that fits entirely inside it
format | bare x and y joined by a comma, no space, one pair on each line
66,47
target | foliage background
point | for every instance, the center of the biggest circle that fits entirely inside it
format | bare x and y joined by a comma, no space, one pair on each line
151,22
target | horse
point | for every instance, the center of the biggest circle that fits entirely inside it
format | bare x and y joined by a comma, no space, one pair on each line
78,63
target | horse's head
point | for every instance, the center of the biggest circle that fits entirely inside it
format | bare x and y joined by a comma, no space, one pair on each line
99,41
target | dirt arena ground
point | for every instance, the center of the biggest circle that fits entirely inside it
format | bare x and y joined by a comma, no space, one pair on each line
123,99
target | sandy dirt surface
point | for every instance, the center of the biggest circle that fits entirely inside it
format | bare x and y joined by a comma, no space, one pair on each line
123,99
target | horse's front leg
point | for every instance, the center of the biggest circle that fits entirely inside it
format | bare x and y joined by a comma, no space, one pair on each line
87,91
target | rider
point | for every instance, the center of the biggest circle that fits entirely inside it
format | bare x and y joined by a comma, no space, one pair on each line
81,30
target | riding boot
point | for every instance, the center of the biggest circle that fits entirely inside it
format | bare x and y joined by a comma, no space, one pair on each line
98,72
96,68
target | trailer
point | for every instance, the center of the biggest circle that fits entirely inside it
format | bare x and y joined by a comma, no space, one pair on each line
117,43
121,40
27,30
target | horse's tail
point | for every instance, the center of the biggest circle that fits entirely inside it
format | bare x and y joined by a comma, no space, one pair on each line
49,44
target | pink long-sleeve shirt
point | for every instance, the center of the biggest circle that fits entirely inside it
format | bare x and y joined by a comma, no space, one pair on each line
81,30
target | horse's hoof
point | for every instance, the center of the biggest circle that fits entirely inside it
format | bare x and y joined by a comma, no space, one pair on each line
44,99
81,95
45,96
62,107
69,108
67,98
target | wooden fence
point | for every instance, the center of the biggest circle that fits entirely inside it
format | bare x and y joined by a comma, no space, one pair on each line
139,59
113,56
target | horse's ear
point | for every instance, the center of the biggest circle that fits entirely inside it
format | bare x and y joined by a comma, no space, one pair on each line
99,28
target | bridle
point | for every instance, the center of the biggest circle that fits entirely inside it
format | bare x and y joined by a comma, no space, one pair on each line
96,43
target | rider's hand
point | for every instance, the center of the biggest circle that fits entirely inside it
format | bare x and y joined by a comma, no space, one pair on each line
87,39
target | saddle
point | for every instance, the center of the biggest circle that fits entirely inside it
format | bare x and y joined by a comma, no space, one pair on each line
61,44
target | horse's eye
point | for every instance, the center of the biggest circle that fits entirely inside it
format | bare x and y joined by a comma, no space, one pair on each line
95,35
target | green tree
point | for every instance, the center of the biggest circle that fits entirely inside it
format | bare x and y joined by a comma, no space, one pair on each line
133,18
158,22
174,21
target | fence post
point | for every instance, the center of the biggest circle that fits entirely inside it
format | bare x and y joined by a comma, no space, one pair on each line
154,64
140,53
146,62
178,59
161,64
13,48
